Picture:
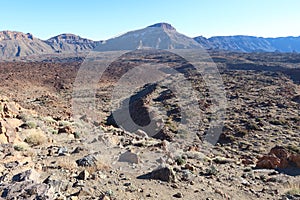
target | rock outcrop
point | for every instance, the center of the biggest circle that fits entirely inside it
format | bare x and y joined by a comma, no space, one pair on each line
9,121
279,158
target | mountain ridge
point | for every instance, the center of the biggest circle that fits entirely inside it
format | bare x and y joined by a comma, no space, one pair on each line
71,42
158,36
243,43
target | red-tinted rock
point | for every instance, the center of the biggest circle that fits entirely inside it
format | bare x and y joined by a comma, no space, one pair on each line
279,158
268,162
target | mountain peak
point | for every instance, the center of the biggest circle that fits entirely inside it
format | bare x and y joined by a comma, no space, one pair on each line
14,35
163,25
68,42
156,36
66,36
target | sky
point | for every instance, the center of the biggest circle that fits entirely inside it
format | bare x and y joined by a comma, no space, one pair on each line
103,19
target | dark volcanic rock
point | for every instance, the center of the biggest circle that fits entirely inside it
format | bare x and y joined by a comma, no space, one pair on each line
296,99
164,174
27,175
86,161
26,190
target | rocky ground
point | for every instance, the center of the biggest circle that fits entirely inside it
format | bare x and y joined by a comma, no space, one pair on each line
47,154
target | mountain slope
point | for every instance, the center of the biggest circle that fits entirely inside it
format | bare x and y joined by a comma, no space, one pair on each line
17,44
204,42
250,43
240,43
157,36
71,43
285,44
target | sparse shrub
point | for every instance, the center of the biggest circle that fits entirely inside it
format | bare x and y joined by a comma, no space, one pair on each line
31,124
67,163
78,124
109,193
29,153
171,125
293,189
35,138
76,135
24,117
294,148
99,166
64,123
180,161
49,120
52,131
21,146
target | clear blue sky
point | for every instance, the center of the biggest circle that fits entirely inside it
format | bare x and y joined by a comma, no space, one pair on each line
102,19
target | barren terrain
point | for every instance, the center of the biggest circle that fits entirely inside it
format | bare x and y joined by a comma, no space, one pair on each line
47,154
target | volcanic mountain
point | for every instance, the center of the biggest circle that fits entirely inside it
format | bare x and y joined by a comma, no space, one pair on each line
157,36
71,43
16,44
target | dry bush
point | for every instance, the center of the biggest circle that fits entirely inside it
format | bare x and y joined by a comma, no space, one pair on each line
293,189
35,137
49,120
100,166
31,124
67,163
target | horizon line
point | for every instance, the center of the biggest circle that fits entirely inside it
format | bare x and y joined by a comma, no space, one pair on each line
117,35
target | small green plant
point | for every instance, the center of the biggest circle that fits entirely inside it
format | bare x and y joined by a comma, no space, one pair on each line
64,123
171,125
31,124
76,135
180,161
52,131
49,120
21,147
109,193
